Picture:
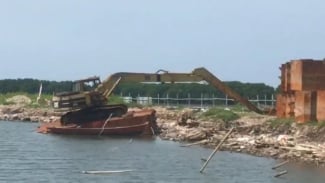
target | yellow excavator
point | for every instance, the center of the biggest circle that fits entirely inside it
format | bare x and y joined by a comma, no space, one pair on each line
88,99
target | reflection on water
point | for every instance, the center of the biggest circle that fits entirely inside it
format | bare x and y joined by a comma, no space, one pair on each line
26,156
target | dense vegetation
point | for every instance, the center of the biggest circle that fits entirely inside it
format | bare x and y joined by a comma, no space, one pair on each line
220,113
31,86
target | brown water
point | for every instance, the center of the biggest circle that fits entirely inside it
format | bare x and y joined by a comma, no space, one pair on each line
26,156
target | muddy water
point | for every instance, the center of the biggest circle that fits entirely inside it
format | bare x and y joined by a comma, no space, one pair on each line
26,156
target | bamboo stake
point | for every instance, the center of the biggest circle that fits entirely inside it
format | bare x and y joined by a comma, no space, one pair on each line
103,127
280,164
195,143
216,149
203,159
281,173
152,131
39,93
106,172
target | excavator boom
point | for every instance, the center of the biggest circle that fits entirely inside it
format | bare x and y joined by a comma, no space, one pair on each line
197,75
111,82
217,83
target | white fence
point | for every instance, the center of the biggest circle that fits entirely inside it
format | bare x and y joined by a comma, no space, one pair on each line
202,101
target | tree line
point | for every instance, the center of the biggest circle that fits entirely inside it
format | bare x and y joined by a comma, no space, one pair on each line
181,90
195,90
32,86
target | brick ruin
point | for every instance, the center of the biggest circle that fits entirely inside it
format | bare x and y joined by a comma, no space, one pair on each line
302,91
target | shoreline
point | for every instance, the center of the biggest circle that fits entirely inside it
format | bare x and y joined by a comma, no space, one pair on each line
253,134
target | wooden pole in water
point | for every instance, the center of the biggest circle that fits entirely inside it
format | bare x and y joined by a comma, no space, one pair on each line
106,172
152,131
281,173
216,149
195,143
103,127
280,164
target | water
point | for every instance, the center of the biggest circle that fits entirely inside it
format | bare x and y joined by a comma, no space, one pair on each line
26,156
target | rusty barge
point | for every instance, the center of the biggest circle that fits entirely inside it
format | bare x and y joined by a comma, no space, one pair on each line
142,122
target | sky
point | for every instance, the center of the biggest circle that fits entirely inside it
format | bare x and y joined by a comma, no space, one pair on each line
242,40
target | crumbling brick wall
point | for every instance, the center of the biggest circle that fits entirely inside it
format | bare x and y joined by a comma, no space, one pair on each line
302,90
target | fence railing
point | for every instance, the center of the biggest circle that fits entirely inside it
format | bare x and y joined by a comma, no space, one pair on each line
202,101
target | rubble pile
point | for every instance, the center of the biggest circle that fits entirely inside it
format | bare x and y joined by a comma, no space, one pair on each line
20,113
253,135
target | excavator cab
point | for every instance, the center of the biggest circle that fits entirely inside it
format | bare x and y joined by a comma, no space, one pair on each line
86,84
84,104
82,95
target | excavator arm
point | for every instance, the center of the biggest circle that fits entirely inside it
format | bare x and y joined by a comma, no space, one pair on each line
218,84
108,85
197,75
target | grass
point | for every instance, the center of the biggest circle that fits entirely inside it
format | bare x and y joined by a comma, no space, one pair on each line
219,113
281,122
239,108
114,99
321,124
318,124
289,121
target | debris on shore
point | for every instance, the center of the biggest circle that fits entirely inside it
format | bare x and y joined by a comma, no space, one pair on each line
254,134
21,113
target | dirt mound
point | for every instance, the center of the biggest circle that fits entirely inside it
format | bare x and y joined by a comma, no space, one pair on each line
19,99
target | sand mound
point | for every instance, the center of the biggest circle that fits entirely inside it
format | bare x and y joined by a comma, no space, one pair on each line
19,99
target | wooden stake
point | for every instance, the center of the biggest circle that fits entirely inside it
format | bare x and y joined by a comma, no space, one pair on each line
152,131
281,173
280,164
216,149
103,127
195,143
203,159
106,172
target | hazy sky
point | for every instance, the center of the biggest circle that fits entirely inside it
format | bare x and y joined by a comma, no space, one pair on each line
244,40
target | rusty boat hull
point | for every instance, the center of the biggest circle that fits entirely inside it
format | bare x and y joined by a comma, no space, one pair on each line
121,130
142,122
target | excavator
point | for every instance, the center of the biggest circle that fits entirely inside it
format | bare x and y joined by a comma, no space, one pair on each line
88,99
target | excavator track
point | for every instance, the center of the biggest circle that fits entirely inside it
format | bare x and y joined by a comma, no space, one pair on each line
94,113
